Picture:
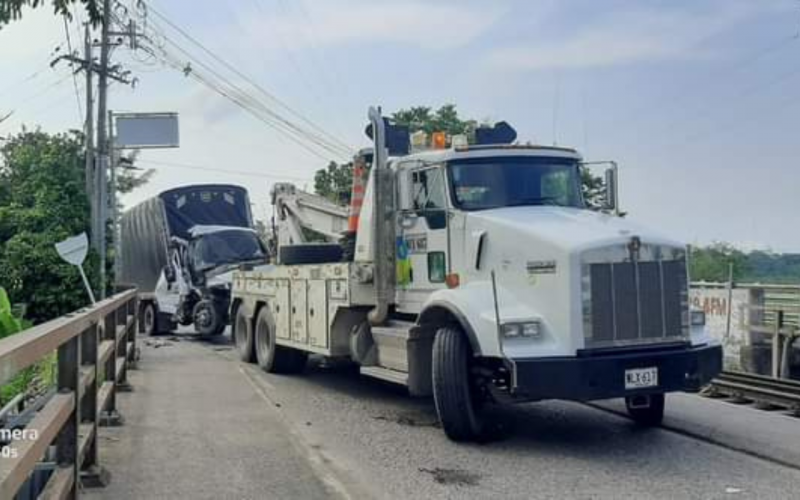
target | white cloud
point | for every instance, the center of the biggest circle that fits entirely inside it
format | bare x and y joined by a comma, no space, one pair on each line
341,22
632,36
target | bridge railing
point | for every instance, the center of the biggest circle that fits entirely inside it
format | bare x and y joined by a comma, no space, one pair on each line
95,347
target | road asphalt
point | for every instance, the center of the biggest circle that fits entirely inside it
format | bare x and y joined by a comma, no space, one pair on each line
201,424
195,428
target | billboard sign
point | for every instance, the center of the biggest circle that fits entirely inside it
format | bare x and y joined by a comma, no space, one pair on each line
146,130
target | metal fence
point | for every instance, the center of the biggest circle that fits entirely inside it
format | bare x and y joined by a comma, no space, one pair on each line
95,347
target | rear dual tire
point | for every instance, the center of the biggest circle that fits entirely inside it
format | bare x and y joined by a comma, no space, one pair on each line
271,357
242,333
255,342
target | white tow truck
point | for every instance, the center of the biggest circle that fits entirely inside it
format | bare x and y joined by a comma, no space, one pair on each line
478,274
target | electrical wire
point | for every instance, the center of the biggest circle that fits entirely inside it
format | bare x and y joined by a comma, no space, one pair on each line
241,101
243,98
326,137
220,170
44,90
74,76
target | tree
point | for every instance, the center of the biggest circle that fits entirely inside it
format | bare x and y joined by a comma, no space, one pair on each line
11,10
129,176
42,201
712,263
444,119
335,181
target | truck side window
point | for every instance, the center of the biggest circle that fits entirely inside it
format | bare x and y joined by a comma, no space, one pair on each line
428,196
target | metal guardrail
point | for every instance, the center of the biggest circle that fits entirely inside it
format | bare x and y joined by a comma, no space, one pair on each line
776,392
782,335
95,347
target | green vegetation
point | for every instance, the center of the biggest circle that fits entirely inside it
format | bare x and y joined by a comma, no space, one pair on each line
12,9
711,263
335,182
11,322
42,201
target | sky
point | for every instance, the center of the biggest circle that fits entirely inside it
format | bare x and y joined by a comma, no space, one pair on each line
697,100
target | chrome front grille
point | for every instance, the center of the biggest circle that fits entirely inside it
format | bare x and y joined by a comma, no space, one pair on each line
630,303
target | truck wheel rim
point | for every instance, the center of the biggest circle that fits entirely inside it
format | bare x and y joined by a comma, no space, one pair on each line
262,340
148,319
203,317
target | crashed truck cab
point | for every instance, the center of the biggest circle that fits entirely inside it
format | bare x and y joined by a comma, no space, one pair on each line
572,303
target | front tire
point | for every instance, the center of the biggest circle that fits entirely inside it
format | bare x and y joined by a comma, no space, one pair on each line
453,387
271,357
646,410
242,333
208,318
149,318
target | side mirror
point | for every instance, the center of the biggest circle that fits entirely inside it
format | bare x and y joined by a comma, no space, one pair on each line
610,202
169,274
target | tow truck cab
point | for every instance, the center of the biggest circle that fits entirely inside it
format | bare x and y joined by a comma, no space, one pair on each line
568,301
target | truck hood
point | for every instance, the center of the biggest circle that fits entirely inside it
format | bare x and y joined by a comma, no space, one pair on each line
569,229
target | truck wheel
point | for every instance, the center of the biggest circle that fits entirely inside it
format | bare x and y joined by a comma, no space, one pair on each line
312,253
646,410
242,333
208,319
149,318
271,357
453,387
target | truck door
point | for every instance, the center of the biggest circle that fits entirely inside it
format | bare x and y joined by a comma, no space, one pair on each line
170,292
422,242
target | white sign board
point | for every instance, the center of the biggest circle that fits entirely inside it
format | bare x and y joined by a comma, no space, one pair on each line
146,130
714,302
73,250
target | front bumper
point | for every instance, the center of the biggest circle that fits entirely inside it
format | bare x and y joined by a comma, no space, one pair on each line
601,375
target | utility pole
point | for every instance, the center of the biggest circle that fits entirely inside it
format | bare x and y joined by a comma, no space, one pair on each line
98,151
113,165
89,130
102,143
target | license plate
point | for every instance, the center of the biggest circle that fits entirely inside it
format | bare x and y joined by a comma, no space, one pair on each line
639,378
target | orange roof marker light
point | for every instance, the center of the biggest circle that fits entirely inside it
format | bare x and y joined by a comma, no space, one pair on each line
439,140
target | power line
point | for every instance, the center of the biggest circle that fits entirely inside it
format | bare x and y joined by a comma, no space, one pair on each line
246,102
330,138
33,75
244,99
44,90
240,101
221,170
230,90
74,75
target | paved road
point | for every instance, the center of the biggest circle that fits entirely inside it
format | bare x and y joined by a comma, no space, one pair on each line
196,428
368,439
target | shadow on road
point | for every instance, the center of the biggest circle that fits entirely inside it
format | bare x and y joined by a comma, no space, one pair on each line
550,426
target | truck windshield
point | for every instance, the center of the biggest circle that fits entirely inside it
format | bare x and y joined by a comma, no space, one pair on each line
226,247
484,183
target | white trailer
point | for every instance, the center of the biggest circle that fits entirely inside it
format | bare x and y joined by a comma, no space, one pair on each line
480,275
